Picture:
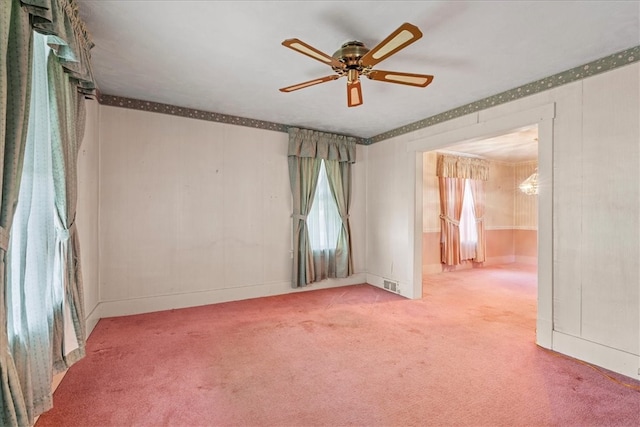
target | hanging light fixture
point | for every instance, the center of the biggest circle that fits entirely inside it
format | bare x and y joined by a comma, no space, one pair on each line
530,185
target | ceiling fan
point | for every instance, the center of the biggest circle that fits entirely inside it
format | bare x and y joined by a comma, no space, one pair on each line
354,59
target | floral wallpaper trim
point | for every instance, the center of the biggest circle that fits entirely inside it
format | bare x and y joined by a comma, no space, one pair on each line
592,68
156,107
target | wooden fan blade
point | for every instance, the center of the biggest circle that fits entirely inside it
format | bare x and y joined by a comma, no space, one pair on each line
309,83
312,52
354,94
399,39
420,80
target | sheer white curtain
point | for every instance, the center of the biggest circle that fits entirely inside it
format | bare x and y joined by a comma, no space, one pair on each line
324,225
468,228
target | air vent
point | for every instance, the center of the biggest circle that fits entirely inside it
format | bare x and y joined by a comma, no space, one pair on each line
391,286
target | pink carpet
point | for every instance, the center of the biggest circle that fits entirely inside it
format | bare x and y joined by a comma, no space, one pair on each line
464,355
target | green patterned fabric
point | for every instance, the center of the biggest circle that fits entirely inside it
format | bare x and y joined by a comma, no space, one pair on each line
15,86
339,174
30,289
66,107
69,37
303,176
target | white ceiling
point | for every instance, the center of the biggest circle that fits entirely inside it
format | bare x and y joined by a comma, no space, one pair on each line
226,56
518,146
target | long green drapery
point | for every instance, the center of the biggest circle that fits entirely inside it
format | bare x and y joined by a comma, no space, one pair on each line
15,91
29,264
67,36
307,148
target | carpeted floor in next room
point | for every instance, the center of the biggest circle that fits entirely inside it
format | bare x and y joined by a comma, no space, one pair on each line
464,355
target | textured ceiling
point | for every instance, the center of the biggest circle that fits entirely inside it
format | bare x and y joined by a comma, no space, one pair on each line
514,147
226,57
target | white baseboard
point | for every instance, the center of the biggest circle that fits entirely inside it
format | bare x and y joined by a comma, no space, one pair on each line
194,299
597,354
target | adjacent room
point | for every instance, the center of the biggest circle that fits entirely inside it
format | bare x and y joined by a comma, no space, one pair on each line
363,213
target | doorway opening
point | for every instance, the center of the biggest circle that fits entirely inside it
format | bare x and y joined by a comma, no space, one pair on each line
508,265
477,128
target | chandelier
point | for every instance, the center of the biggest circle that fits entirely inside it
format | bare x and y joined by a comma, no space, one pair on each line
530,185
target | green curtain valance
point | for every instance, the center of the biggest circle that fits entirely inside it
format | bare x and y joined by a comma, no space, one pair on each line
320,145
462,167
68,37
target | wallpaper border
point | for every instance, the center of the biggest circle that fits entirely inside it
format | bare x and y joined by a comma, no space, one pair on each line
598,66
157,107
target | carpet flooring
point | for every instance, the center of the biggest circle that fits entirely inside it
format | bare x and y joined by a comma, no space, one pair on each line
463,355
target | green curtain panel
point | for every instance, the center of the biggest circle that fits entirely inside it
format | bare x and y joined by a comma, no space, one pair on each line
339,174
15,86
303,175
67,127
307,148
30,293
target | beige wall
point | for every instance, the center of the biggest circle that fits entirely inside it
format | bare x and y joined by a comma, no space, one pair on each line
525,234
196,212
525,206
500,196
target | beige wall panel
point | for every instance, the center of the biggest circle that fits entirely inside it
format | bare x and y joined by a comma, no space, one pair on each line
610,220
567,209
430,193
525,206
389,248
499,193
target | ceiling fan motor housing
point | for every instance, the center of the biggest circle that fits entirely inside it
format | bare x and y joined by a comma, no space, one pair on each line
350,55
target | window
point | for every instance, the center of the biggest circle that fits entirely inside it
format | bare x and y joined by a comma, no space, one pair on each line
468,228
324,221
